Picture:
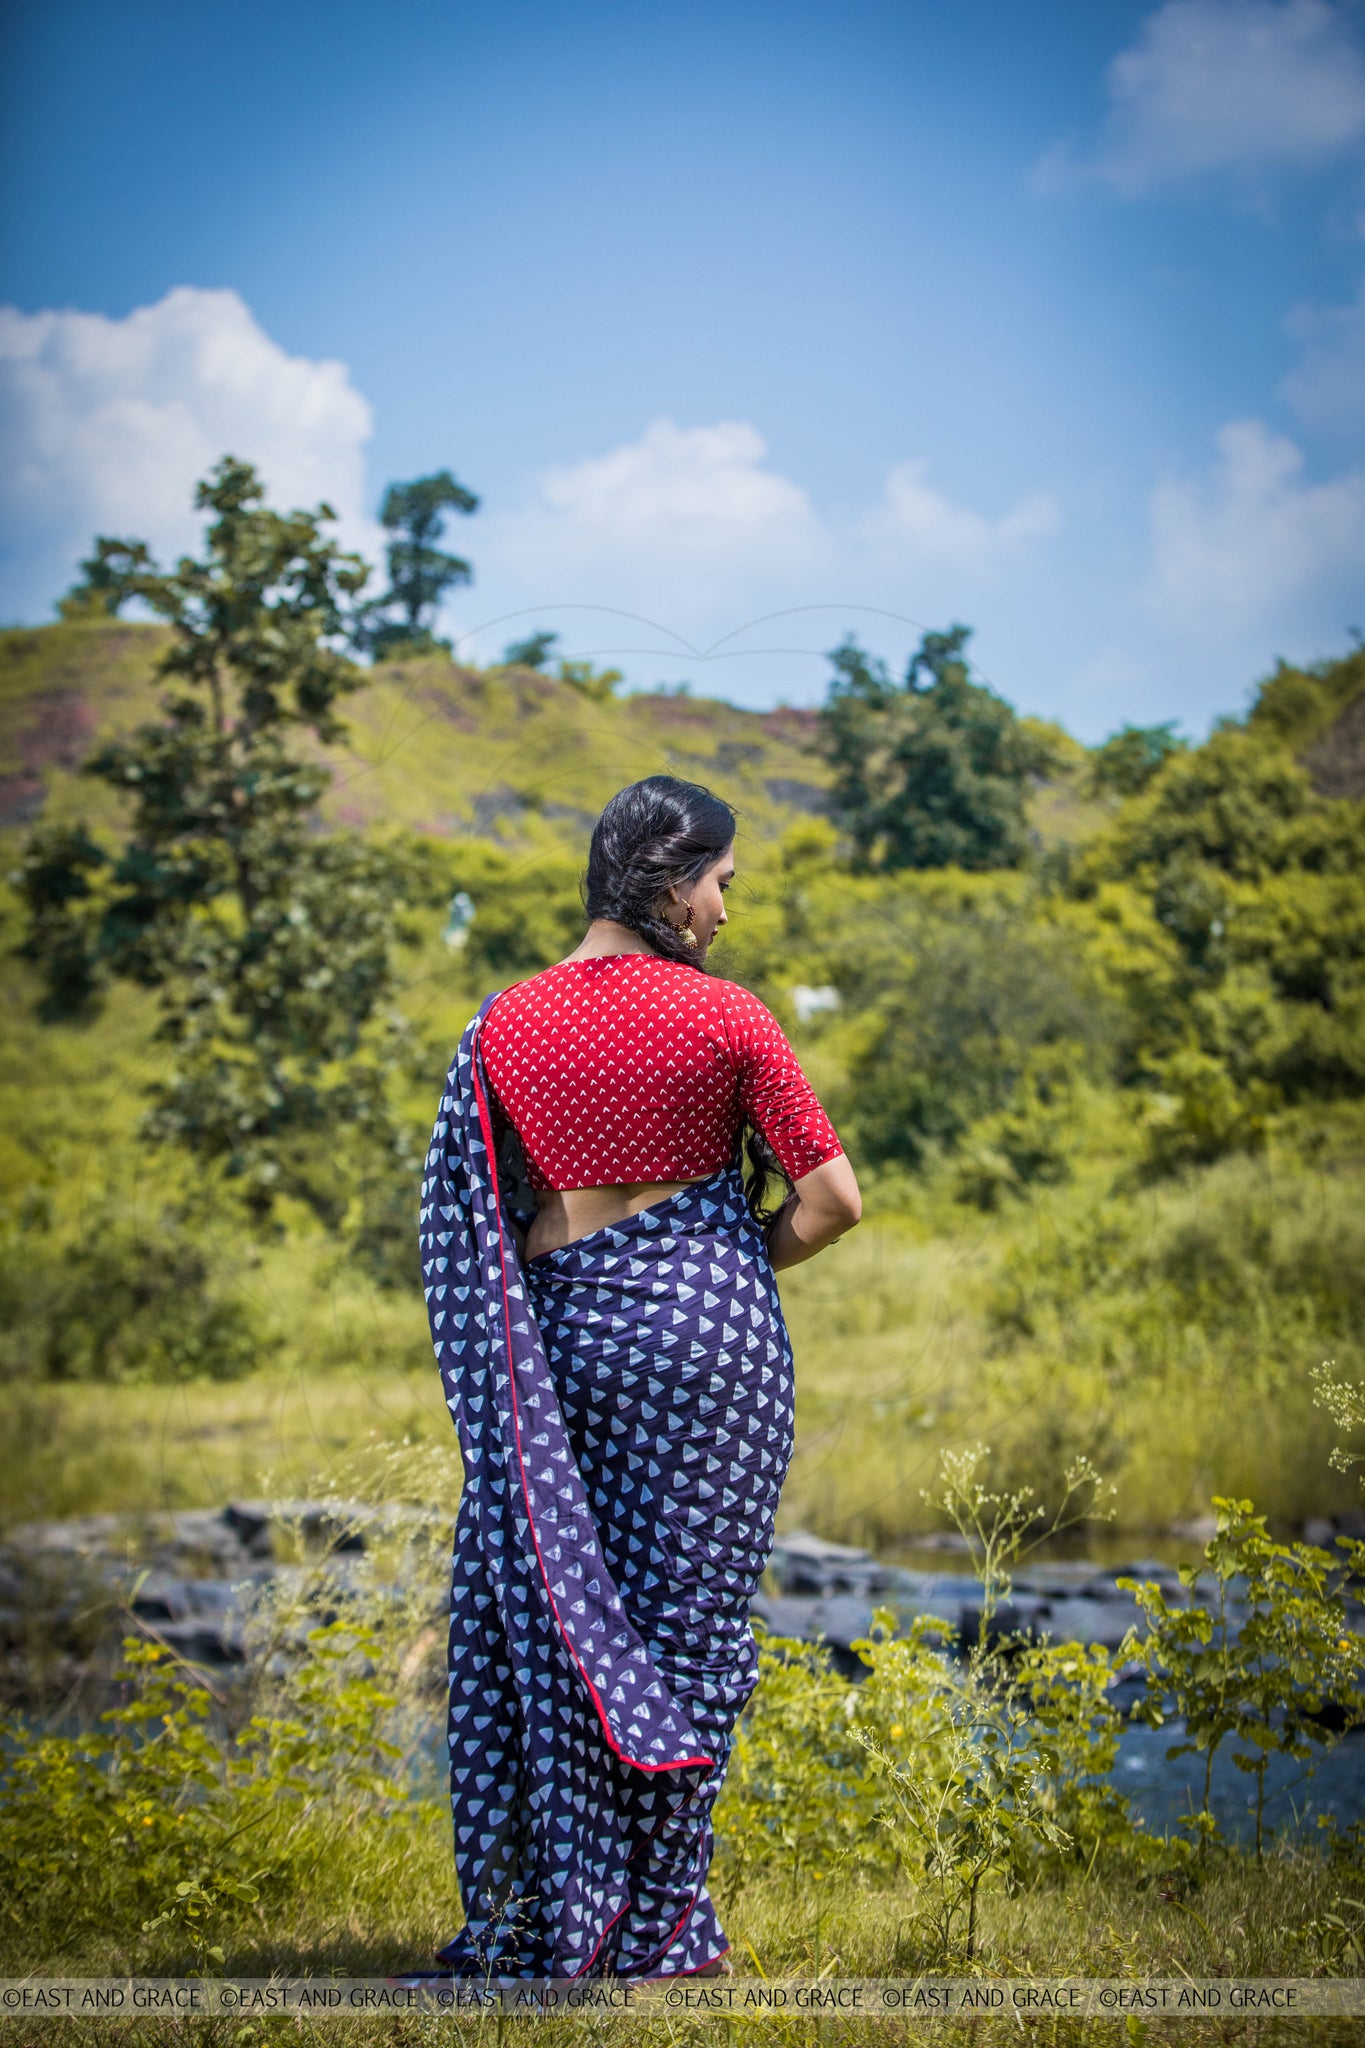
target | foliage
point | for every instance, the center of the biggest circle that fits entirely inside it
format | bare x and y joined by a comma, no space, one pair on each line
796,1792
119,1303
938,1771
532,652
191,1828
966,1771
1196,1113
1126,762
420,572
269,946
931,772
159,1823
1227,806
1001,1528
596,684
191,1815
1345,1403
1262,1667
1295,705
986,1012
970,1809
104,587
1257,882
525,913
1022,1146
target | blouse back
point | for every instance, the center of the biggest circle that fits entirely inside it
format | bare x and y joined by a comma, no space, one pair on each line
632,1069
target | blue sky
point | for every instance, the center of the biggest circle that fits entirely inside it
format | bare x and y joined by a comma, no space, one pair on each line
1049,319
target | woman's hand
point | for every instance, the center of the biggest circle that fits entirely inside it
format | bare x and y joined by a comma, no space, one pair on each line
823,1205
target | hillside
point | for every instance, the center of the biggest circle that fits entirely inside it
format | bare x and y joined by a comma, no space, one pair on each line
507,755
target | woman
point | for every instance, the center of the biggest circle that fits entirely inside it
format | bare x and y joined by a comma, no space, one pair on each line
620,1376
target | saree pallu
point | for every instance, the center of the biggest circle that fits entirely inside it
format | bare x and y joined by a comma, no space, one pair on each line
624,1410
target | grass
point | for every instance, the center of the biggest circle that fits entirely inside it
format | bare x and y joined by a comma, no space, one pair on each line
1175,1348
78,1450
1182,1367
384,1904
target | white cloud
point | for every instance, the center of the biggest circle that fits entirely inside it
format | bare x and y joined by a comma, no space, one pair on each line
108,425
1224,85
692,527
654,521
1327,387
920,526
1252,537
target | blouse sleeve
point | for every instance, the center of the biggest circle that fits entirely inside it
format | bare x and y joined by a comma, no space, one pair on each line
774,1094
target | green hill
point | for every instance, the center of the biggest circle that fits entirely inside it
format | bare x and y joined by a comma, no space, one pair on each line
506,754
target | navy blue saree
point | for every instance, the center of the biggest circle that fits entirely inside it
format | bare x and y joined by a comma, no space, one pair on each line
624,1410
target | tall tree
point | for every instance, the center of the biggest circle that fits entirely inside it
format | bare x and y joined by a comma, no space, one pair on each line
929,772
420,572
269,943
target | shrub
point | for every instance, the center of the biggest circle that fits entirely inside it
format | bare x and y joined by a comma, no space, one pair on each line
988,1008
120,1303
1196,1112
1260,1668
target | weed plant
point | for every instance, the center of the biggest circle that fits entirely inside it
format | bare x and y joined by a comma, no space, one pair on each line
953,1811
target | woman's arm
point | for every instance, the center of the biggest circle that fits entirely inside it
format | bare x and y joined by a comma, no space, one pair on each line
823,1205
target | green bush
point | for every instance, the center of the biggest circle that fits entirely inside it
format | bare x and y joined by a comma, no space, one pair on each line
1260,1666
527,910
119,1302
988,1007
931,772
160,1824
1195,1112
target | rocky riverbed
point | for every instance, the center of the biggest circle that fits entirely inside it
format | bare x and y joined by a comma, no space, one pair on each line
188,1578
70,1589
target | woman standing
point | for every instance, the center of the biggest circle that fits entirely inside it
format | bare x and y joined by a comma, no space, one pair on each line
619,1373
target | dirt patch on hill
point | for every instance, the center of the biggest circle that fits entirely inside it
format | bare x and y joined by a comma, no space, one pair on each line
58,730
54,729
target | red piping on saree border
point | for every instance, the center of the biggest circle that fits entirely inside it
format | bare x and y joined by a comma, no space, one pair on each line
485,1126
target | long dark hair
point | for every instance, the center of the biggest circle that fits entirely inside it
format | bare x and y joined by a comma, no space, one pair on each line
654,835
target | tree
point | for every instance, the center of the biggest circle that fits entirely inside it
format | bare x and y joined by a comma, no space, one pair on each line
930,772
533,652
105,583
420,573
1126,762
268,942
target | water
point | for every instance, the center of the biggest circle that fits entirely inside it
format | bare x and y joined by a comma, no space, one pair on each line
1161,1789
822,1590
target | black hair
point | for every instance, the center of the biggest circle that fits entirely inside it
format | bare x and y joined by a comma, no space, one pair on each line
652,835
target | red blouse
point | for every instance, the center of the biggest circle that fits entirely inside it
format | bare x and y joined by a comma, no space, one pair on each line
631,1068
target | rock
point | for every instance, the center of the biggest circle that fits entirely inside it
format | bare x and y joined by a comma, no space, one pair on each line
803,1563
1326,1530
837,1622
944,1539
